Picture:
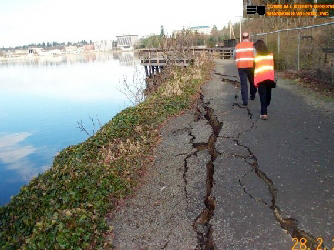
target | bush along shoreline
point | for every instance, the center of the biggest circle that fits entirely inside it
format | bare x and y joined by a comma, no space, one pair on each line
66,206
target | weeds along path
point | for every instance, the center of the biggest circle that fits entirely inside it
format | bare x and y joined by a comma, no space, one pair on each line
67,206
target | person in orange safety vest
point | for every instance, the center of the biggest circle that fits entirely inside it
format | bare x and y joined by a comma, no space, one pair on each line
244,57
264,76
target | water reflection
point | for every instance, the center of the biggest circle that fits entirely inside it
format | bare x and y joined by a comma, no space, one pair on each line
14,157
10,150
125,58
46,97
70,80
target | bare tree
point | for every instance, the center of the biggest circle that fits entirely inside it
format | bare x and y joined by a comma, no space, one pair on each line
133,89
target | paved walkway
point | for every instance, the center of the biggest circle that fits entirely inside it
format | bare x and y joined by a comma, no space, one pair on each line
223,179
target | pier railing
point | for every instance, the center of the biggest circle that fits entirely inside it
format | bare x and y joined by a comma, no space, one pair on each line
154,60
159,55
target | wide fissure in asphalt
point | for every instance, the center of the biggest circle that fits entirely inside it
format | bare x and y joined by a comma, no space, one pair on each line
202,223
289,224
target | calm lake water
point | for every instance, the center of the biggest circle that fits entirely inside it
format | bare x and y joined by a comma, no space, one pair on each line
42,101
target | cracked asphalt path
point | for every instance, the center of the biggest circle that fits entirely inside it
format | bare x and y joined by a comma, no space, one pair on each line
223,179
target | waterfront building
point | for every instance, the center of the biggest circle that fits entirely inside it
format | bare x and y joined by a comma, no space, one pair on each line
35,51
127,42
201,29
71,49
103,45
88,47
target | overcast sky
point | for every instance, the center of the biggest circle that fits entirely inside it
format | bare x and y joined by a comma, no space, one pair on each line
36,21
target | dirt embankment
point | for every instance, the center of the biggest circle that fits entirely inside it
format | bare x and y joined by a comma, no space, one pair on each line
318,80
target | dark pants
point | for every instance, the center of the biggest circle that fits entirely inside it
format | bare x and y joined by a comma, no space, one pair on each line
265,96
245,73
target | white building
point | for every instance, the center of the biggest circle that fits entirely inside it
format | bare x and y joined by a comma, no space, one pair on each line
103,45
201,29
35,51
127,42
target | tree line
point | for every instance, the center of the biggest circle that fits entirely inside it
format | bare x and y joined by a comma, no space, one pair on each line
50,44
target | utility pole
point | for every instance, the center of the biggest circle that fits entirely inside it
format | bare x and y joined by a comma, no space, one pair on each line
231,31
298,55
315,9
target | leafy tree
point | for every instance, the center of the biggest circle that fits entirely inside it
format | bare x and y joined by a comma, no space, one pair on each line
152,41
212,42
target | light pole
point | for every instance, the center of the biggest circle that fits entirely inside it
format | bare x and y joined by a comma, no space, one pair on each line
315,10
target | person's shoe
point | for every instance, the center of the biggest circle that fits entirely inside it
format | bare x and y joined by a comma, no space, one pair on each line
243,105
252,97
263,117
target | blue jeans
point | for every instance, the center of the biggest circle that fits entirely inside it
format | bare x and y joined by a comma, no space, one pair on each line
245,73
265,96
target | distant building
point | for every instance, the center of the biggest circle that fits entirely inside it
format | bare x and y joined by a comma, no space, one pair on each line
103,45
35,50
201,29
127,42
176,32
55,52
21,51
88,47
43,52
71,49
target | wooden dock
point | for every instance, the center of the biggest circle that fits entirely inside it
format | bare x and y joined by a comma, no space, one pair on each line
164,62
154,60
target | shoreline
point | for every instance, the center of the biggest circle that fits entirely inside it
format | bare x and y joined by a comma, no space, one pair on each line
87,180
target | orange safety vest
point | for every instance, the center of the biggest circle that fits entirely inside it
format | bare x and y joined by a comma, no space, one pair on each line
264,69
244,55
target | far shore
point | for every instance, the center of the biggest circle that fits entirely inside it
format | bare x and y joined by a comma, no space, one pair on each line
35,56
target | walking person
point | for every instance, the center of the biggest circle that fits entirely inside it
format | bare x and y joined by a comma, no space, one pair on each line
244,57
264,77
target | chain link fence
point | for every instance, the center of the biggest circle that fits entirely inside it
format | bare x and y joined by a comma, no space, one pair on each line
308,48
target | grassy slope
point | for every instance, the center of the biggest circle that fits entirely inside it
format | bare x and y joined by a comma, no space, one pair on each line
65,207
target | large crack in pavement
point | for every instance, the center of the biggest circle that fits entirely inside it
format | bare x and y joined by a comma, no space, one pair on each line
287,223
186,163
202,224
